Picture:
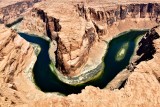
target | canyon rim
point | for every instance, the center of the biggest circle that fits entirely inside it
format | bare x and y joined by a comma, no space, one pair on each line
76,39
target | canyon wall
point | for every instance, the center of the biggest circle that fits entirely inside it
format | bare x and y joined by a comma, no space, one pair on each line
73,45
121,12
15,56
9,12
17,90
142,89
79,28
80,32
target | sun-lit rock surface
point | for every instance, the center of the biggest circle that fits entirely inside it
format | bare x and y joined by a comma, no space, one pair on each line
142,89
16,56
11,10
80,32
80,28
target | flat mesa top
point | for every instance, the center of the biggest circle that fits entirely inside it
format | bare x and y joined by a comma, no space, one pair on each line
4,3
49,5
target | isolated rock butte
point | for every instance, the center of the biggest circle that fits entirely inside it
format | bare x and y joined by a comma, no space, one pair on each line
80,29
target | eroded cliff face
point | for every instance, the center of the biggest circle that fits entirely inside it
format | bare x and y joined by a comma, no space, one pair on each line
11,12
39,23
17,58
17,90
79,29
142,89
120,12
79,40
73,40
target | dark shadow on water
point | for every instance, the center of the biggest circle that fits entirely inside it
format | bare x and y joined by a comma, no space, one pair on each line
48,82
43,76
113,67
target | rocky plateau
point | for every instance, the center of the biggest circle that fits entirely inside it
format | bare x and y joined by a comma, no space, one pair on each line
79,31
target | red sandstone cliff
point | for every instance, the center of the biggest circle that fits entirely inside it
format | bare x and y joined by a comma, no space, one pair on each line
11,10
74,26
79,29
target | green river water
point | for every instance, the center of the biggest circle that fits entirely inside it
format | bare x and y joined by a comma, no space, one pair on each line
119,52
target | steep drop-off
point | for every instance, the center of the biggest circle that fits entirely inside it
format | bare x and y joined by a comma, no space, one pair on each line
48,79
78,37
84,29
72,45
12,10
16,56
142,88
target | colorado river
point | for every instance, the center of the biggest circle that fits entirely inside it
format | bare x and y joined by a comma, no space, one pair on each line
119,52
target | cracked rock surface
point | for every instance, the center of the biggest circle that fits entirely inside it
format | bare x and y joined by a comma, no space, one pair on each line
79,30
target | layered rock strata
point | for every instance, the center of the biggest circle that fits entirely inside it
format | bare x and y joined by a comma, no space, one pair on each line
73,40
18,91
79,36
142,89
16,59
121,12
12,10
